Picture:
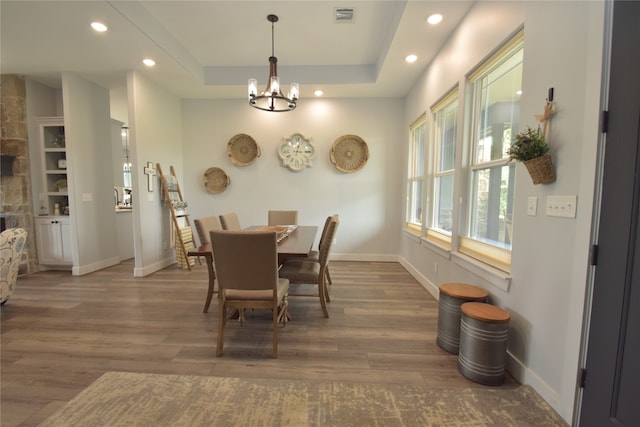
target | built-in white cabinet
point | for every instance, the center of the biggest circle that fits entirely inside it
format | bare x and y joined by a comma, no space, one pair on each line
53,236
53,226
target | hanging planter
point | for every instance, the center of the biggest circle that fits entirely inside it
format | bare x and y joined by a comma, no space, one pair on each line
541,169
531,148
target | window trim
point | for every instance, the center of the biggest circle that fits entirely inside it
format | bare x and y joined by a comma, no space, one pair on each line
434,235
492,255
415,228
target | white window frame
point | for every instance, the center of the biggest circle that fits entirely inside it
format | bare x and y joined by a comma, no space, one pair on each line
492,253
415,175
434,233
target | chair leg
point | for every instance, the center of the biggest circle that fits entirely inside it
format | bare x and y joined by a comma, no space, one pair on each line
221,324
322,293
329,276
276,314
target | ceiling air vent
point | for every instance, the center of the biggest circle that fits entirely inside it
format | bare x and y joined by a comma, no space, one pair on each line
344,14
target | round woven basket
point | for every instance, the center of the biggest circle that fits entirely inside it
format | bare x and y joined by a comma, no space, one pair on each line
349,153
541,169
242,149
215,180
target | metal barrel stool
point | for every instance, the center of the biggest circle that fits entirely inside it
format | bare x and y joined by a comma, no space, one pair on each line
483,342
452,295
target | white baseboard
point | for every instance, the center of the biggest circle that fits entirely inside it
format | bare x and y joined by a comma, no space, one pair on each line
426,283
152,268
90,268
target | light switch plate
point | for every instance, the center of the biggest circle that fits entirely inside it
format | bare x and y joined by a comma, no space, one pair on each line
563,206
87,197
532,206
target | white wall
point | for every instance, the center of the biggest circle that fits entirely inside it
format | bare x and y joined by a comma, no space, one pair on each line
90,174
367,200
155,135
563,50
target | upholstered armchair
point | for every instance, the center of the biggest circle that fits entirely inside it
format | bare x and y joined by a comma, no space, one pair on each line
12,245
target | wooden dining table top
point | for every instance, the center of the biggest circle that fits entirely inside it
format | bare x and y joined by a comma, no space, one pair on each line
298,243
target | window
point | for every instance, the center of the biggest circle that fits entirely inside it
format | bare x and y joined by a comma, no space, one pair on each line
445,121
416,175
495,91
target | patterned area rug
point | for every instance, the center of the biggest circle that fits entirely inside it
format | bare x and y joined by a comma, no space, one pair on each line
130,399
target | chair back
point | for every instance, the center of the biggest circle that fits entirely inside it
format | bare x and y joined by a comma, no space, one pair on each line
245,260
327,241
206,225
326,228
12,245
229,221
282,218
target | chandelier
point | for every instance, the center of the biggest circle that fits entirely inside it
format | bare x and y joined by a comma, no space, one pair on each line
272,98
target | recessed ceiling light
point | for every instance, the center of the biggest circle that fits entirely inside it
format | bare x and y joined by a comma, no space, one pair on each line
519,92
149,62
318,92
434,19
99,27
411,58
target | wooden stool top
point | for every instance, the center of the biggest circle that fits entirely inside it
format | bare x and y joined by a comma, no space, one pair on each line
485,312
463,290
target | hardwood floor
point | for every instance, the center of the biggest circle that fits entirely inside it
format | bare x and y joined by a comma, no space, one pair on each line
59,333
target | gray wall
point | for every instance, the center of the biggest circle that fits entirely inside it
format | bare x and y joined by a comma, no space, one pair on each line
545,292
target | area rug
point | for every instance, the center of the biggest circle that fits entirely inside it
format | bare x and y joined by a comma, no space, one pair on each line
132,399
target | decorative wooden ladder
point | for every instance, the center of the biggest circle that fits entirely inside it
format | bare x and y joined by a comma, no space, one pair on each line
183,242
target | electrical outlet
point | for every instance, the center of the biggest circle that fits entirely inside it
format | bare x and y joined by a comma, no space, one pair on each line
563,206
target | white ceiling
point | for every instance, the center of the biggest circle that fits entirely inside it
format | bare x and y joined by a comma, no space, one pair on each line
208,49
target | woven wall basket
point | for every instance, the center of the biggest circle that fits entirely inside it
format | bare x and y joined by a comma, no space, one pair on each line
541,169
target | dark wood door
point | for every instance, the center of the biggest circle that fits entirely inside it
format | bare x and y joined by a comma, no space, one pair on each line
612,381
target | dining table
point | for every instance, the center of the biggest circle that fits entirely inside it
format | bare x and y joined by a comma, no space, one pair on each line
295,241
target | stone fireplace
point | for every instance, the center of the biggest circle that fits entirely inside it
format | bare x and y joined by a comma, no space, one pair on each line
16,208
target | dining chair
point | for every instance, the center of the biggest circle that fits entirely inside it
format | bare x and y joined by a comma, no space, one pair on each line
313,255
230,221
243,285
302,271
204,226
282,218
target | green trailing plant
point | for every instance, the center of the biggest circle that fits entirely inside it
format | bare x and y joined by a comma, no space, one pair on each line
528,145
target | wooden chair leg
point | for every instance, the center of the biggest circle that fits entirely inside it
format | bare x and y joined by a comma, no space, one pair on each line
322,293
222,318
329,276
276,314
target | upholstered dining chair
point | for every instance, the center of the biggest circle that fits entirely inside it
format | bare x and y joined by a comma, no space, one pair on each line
301,271
230,221
282,218
246,284
204,226
12,245
313,255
